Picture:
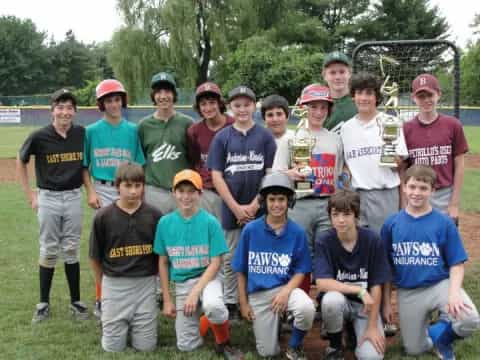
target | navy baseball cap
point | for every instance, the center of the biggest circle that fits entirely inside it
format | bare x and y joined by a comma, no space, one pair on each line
242,91
63,94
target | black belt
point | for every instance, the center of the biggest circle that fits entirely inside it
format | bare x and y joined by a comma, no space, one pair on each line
105,182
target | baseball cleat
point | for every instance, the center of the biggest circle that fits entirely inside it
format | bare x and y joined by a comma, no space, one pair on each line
295,353
42,312
79,310
228,351
333,354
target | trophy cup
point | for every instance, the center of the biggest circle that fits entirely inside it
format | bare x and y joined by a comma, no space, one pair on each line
300,148
389,133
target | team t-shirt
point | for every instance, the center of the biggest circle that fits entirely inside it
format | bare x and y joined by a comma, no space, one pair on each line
243,159
107,146
365,266
189,243
269,259
343,110
200,137
422,249
123,242
436,145
362,147
165,146
58,160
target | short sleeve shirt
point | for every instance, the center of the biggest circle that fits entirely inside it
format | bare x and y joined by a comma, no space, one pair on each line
281,162
190,244
107,146
436,145
422,249
123,242
200,137
365,266
58,160
269,259
243,159
343,110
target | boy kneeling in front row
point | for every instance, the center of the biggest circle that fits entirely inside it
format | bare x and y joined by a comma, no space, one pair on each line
190,243
427,255
271,261
124,263
350,267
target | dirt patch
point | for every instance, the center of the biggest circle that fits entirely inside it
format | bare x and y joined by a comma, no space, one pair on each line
472,161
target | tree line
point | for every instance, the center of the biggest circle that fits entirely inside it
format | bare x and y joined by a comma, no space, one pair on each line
271,45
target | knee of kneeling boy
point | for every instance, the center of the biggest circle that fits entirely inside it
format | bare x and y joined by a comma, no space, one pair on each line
333,301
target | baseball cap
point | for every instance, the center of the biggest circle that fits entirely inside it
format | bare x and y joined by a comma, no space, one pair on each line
191,176
336,57
315,92
63,94
163,77
208,87
425,82
242,91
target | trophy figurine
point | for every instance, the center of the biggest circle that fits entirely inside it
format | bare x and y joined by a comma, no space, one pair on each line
300,147
389,133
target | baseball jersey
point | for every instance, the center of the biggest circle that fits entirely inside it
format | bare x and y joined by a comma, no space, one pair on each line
343,109
189,243
165,146
362,147
243,159
422,249
365,266
281,161
200,137
269,259
107,146
123,242
436,145
58,160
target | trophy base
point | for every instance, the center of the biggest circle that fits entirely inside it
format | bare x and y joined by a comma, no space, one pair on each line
299,194
388,161
303,189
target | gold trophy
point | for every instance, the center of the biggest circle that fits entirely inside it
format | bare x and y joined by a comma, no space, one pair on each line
300,148
389,133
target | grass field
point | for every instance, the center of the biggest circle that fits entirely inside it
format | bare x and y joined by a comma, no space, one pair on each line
60,338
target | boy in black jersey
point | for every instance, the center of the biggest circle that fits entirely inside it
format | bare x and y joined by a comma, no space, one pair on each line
124,263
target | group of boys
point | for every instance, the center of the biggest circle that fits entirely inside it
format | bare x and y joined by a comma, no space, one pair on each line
205,206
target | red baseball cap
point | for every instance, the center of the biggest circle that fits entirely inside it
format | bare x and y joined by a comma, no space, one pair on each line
315,92
208,87
425,82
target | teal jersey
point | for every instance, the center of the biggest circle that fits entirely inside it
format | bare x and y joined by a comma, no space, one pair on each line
107,146
189,243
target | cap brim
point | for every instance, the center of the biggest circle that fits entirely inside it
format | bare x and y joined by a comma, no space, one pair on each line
427,89
242,95
338,61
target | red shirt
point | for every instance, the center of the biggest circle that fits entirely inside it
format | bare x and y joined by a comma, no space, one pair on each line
199,138
436,144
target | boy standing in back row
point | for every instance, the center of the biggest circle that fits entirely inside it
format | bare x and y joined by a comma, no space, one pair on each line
58,151
437,140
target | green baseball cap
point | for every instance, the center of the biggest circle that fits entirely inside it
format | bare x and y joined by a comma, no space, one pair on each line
336,57
165,78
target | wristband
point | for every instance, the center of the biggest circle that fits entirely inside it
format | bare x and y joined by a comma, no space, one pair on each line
361,293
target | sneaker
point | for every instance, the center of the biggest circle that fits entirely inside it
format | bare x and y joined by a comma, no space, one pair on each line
42,312
295,353
390,329
233,313
97,310
79,310
333,354
228,351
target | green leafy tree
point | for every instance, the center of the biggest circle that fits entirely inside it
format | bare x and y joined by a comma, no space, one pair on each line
86,95
470,63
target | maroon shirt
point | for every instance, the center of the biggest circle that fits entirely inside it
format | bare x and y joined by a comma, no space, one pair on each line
199,138
436,144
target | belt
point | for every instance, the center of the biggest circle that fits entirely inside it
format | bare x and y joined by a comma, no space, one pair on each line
105,182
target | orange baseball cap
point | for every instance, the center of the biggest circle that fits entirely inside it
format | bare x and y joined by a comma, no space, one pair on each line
191,176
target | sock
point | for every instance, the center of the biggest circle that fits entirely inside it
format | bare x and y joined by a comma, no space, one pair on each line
296,339
204,325
72,271
335,340
442,332
98,291
46,276
221,332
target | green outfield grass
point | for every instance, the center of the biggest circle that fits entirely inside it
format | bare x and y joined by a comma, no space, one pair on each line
473,137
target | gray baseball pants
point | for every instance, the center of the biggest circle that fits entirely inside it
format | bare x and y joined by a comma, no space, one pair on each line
441,198
60,220
211,202
415,307
160,198
107,194
129,306
230,286
377,205
265,325
336,308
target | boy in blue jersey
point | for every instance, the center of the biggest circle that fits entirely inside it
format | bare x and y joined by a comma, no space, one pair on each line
239,156
190,244
271,261
109,142
427,255
350,267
